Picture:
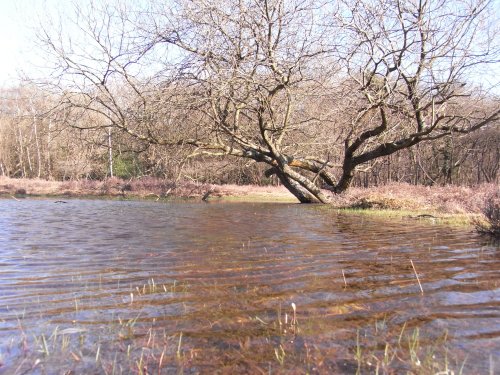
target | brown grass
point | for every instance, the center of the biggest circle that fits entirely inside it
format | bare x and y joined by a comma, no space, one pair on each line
399,196
145,187
112,187
490,222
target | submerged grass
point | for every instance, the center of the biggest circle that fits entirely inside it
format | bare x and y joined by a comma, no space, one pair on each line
274,341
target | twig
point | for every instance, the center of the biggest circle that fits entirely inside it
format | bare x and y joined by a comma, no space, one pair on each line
416,274
345,281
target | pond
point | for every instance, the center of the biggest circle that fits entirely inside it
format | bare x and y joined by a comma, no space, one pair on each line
97,286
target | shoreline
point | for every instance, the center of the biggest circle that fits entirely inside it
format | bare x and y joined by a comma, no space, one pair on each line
455,205
141,189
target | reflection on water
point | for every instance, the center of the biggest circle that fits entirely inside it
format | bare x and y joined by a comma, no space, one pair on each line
119,275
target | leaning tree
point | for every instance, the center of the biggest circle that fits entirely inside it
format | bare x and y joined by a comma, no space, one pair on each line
314,89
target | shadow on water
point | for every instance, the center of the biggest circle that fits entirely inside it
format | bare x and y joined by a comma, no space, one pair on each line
141,287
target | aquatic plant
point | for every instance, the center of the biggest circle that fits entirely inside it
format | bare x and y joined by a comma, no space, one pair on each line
261,344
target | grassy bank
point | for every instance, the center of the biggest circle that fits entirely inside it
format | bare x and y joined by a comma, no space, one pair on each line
450,205
476,206
434,217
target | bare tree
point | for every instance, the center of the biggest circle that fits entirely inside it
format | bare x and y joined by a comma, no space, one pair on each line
256,68
314,90
409,62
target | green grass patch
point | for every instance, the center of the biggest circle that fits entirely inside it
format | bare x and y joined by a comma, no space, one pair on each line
424,216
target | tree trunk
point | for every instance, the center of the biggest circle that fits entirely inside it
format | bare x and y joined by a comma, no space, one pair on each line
49,161
345,179
110,154
37,144
292,186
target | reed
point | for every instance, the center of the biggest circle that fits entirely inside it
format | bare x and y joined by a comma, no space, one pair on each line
179,345
416,275
280,355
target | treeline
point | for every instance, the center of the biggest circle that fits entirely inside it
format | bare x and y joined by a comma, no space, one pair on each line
309,94
37,141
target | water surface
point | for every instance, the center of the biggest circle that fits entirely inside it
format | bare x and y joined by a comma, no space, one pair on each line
130,287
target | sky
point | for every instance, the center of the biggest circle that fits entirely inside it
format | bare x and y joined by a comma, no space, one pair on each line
11,36
18,19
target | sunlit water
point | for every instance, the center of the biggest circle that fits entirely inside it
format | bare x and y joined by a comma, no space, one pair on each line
109,286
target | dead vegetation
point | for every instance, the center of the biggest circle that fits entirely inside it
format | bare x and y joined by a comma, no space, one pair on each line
490,222
147,187
401,196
